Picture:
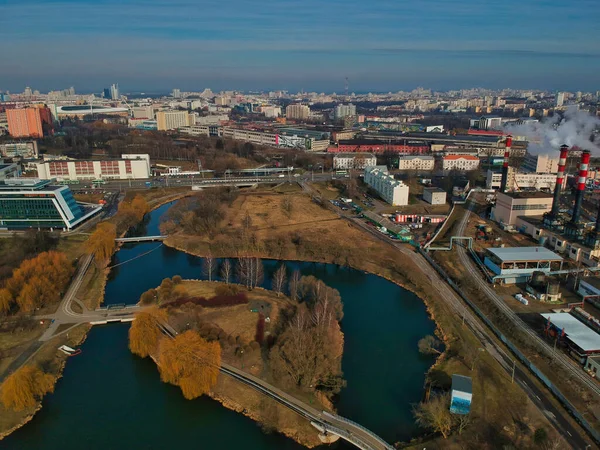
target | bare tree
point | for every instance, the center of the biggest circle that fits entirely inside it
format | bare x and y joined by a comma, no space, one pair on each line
279,279
462,421
287,206
250,271
435,414
243,271
247,221
226,270
429,345
258,272
294,284
208,266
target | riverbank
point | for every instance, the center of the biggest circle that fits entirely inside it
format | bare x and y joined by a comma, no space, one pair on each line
251,326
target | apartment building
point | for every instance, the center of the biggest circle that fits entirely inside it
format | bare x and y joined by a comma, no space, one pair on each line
354,160
393,191
424,163
462,163
300,112
172,120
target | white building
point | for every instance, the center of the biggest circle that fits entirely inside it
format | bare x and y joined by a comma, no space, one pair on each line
416,163
539,164
301,112
171,120
271,111
27,150
342,111
9,170
460,162
518,180
434,196
393,191
132,167
143,112
354,160
211,120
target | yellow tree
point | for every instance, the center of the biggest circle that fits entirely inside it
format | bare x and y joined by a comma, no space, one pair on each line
101,243
144,334
190,362
6,301
25,387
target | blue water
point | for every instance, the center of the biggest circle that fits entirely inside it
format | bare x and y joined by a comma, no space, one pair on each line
109,398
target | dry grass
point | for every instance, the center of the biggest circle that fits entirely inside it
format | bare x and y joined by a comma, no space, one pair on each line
88,198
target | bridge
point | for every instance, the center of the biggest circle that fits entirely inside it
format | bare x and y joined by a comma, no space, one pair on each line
323,421
141,239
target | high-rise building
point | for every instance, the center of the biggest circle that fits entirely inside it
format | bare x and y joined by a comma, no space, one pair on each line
301,112
27,92
27,122
171,120
176,93
106,93
114,92
560,98
342,111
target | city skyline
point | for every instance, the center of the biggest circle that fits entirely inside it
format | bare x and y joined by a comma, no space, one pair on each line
157,45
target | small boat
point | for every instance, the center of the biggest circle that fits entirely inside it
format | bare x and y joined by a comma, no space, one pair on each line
69,351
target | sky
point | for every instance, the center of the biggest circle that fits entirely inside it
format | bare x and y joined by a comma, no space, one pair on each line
311,45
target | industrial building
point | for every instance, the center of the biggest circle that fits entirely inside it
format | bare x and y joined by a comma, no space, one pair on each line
539,164
34,203
86,110
27,150
374,146
9,170
129,167
580,340
308,140
393,191
517,264
421,162
589,287
463,163
518,180
512,205
354,160
434,196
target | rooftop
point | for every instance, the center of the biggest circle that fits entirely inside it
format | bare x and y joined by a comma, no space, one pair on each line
524,254
433,189
527,194
353,155
462,383
467,157
580,334
423,157
592,281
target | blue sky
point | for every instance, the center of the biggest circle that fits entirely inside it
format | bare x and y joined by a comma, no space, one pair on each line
379,45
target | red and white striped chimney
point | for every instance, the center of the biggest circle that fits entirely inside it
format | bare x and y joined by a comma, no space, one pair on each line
583,172
560,177
504,180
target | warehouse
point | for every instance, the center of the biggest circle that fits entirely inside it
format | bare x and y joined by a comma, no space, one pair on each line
580,340
516,264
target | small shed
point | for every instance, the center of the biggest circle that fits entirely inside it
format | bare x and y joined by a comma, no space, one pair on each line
434,196
462,393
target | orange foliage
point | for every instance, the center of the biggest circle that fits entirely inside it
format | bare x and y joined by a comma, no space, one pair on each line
41,280
6,301
25,387
144,334
131,213
190,362
101,243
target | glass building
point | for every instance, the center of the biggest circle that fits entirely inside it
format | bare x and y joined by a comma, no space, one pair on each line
33,203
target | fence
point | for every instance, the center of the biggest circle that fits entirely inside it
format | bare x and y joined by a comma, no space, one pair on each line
566,403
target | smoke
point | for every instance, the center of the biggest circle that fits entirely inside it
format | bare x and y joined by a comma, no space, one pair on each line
574,129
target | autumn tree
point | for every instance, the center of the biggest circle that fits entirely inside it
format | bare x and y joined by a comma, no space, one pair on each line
226,270
131,213
294,284
190,362
435,414
6,301
40,281
25,387
101,244
149,297
429,345
165,291
145,334
279,279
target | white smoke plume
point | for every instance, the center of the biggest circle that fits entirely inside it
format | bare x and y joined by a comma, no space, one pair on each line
575,128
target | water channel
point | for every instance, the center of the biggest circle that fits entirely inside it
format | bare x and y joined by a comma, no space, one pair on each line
108,398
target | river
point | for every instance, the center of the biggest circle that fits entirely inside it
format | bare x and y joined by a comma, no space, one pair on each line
108,398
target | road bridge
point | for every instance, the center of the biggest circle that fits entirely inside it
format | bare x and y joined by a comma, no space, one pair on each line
141,239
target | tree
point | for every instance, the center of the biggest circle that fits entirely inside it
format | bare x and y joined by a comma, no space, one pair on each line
149,297
190,362
6,301
165,291
540,436
145,334
279,279
287,206
294,284
429,345
250,271
462,421
226,270
101,244
177,279
208,267
435,414
25,387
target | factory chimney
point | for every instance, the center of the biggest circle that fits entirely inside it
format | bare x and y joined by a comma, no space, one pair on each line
504,180
583,171
560,177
